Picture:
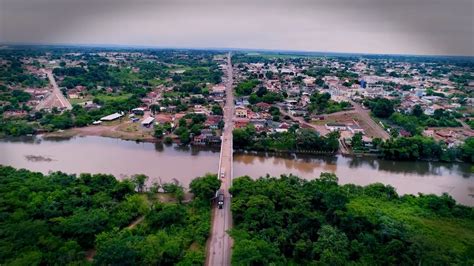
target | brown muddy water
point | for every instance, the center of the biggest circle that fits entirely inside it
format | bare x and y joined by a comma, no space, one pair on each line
168,163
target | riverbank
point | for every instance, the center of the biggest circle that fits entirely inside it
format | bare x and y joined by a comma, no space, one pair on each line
118,132
167,163
126,131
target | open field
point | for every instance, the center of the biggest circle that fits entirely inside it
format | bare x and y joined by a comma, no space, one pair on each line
124,129
346,118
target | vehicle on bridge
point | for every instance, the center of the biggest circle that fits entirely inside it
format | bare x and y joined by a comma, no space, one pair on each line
220,199
222,172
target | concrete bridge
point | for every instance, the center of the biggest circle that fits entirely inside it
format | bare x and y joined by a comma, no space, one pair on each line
220,243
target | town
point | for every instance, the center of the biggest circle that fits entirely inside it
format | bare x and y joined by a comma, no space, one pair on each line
352,112
177,96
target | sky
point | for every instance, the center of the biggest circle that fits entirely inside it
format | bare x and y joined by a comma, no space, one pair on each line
429,27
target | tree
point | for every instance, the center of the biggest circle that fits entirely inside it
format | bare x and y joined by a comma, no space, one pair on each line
162,216
139,181
158,131
175,189
184,137
217,110
467,150
269,74
205,187
383,108
255,252
356,141
332,246
417,111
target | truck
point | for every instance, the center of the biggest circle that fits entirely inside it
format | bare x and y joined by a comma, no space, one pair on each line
220,199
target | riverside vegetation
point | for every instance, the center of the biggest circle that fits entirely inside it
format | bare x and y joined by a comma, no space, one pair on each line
54,219
290,221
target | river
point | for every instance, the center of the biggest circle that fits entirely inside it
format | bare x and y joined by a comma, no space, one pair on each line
164,163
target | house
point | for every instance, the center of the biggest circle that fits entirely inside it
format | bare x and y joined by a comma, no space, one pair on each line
111,117
241,122
147,122
138,111
259,124
283,127
212,121
263,106
298,112
355,129
241,112
404,133
218,90
199,140
336,127
206,137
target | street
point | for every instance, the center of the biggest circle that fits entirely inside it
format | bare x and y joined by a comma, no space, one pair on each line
56,98
220,244
365,114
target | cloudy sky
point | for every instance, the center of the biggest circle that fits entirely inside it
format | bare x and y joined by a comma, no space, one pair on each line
369,26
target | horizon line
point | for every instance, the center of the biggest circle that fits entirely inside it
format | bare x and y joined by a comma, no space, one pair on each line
143,47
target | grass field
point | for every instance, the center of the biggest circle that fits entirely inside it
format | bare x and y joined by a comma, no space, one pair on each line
107,97
445,233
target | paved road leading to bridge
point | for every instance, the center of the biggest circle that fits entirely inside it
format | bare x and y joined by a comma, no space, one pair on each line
220,245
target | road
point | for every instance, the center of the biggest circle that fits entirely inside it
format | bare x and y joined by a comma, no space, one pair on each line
56,98
323,131
220,244
365,114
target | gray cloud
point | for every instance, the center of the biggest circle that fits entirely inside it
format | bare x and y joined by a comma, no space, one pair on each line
374,26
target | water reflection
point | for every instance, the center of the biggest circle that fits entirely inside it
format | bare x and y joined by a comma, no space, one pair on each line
406,177
164,163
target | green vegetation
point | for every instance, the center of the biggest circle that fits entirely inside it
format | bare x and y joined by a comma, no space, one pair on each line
53,219
470,122
381,107
321,104
246,87
416,122
290,221
13,73
190,123
424,148
293,140
15,99
77,117
263,95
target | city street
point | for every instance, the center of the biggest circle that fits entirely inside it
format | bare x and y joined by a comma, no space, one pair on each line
56,98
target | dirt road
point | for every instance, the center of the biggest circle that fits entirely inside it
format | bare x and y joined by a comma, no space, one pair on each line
365,115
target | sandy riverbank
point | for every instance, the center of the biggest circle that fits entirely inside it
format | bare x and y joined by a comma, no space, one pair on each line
124,130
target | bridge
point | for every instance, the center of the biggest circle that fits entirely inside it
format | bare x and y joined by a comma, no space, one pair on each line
220,243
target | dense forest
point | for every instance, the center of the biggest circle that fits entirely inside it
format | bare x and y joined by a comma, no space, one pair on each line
59,219
290,221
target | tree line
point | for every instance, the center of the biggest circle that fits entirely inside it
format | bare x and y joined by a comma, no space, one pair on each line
291,221
54,219
293,140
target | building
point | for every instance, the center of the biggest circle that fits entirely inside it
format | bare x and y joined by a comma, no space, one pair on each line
111,117
335,127
138,111
241,112
147,122
355,129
